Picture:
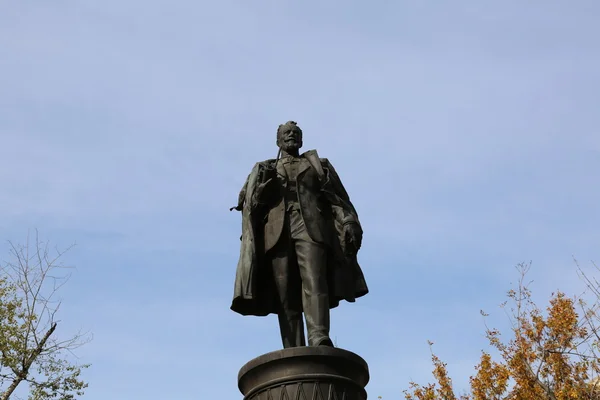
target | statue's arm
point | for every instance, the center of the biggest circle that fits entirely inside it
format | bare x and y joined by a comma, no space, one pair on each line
242,197
260,193
264,191
343,215
341,206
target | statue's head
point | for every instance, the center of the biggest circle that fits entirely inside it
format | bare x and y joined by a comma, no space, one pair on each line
289,137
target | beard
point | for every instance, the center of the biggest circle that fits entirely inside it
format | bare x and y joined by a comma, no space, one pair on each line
290,147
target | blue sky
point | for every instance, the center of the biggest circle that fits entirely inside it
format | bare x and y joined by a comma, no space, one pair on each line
466,133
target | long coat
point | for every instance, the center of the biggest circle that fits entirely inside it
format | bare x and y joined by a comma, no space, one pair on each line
254,289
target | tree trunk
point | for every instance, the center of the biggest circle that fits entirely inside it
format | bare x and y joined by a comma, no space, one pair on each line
27,364
11,389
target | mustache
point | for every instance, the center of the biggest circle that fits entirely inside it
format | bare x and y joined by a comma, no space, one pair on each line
289,139
290,145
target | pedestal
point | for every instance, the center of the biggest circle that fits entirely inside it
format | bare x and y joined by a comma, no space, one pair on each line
305,373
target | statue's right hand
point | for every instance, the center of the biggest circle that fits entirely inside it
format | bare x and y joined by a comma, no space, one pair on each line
267,174
263,191
239,207
262,186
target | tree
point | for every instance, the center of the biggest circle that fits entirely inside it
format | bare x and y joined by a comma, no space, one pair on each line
31,351
550,355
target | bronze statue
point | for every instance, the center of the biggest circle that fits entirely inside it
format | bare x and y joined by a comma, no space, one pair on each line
300,238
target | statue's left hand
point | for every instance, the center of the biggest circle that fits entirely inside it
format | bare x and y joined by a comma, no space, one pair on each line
352,237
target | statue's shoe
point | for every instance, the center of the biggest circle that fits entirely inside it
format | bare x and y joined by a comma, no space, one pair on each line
325,342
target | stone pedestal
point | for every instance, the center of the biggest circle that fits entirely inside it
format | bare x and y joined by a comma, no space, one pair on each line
305,373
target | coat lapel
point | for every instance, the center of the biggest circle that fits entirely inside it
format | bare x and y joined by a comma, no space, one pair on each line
313,159
282,172
304,166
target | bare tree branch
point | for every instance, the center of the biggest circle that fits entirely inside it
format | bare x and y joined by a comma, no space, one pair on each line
30,351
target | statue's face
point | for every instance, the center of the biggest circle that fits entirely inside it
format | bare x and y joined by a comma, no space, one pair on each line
290,139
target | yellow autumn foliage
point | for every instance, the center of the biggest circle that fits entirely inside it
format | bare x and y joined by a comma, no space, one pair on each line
549,355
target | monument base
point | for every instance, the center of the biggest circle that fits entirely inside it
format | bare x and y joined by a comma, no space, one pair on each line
305,373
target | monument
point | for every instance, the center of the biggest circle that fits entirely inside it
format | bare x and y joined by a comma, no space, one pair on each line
299,244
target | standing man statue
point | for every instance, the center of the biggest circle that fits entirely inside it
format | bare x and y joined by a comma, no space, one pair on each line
300,237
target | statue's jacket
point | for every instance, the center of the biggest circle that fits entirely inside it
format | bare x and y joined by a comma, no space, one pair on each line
325,207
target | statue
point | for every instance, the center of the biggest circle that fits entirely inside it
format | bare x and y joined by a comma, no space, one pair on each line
299,243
